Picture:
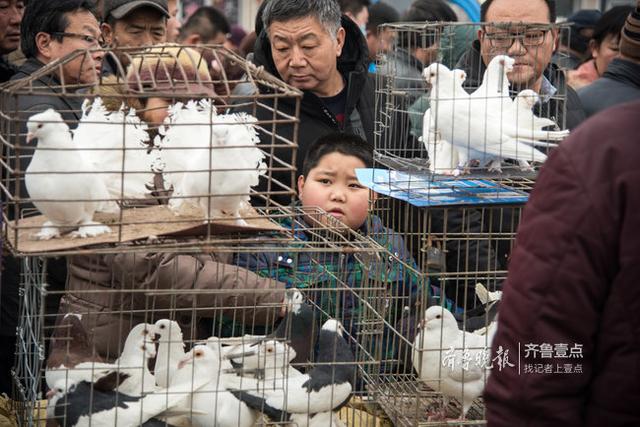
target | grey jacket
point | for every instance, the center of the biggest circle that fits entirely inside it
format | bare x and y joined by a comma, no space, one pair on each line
619,84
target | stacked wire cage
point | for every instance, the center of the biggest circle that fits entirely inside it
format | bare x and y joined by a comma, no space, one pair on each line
457,149
179,263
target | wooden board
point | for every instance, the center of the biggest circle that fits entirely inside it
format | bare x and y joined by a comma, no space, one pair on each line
135,224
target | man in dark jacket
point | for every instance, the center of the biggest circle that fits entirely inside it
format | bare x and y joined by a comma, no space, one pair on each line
621,82
572,285
10,18
50,30
531,45
307,44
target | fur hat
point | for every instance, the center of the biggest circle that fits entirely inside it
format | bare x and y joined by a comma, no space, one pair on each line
630,36
181,71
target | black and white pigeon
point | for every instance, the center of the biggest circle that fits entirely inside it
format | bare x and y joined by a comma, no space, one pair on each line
70,346
99,404
297,328
61,183
327,387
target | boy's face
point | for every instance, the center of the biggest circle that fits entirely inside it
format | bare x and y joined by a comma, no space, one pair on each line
332,186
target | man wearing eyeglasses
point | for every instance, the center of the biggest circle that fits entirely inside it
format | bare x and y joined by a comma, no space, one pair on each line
50,30
524,30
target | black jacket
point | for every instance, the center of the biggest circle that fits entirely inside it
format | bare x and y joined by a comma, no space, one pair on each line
315,119
619,84
7,70
471,62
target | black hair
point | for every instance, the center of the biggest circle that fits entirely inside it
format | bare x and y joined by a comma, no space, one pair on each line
48,16
208,22
430,10
551,5
381,13
611,23
259,24
353,6
343,143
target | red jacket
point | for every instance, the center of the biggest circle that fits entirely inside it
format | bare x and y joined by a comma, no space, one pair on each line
574,278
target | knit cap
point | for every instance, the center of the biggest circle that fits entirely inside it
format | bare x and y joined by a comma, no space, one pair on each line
630,37
181,71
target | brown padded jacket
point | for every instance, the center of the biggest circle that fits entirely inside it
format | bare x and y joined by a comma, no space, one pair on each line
115,292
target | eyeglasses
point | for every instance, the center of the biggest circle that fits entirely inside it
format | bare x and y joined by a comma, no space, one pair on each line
90,40
527,39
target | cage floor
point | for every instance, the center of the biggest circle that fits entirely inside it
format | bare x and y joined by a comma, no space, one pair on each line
408,402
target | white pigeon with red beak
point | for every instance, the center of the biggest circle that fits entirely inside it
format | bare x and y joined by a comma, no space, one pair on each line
60,182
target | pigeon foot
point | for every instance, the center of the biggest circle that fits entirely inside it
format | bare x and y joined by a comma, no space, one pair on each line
47,232
90,229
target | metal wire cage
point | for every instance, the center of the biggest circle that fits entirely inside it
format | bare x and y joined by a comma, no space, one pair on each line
233,290
477,124
162,140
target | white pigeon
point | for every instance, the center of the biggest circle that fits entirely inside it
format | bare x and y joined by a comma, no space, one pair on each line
485,296
116,145
211,404
219,164
527,124
170,350
468,129
448,360
133,361
137,350
327,387
492,96
60,181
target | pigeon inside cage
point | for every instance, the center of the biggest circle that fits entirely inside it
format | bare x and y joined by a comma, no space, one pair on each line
163,130
470,111
312,343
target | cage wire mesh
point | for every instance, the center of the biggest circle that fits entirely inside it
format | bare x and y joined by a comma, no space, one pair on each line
457,147
440,113
225,297
162,141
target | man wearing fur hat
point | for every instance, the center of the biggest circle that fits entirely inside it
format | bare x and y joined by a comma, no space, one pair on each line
621,82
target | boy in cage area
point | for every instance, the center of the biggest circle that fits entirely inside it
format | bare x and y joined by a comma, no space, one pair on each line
328,181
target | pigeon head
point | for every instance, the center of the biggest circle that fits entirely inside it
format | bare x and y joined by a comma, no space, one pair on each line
528,98
437,318
295,299
200,355
167,330
459,75
274,354
502,61
334,326
43,124
435,72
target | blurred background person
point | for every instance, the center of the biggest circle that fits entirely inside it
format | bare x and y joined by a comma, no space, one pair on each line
621,80
10,17
207,25
358,11
136,23
604,46
173,23
573,47
380,40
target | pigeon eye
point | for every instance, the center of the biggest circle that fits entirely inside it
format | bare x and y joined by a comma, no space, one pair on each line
198,353
40,126
438,316
269,350
161,326
59,390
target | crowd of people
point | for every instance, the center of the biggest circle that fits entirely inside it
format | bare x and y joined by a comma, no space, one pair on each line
571,274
